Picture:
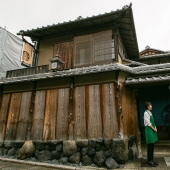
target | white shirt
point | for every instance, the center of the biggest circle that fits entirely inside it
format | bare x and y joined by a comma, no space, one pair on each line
147,115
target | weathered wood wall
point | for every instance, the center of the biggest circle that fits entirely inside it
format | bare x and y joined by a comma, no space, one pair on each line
50,115
13,114
128,110
25,118
4,114
94,113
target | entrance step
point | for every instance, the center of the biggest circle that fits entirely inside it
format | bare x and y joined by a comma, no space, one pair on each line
161,149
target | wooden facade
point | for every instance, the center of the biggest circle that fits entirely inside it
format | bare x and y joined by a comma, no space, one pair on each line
93,113
77,106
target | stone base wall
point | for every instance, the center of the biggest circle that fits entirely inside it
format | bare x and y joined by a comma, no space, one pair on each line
102,152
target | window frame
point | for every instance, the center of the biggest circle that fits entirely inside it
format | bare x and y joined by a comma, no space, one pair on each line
92,39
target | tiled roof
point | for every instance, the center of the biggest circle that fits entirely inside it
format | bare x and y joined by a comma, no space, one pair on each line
148,69
134,63
123,18
67,73
167,54
147,79
147,73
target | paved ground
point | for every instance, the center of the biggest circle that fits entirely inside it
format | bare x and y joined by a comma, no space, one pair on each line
10,164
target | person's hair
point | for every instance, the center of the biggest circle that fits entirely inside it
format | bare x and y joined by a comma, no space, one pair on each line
147,104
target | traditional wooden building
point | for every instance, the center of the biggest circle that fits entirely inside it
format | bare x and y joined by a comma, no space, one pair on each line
150,51
152,56
97,94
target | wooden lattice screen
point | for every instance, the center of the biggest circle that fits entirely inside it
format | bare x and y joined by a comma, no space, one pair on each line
92,49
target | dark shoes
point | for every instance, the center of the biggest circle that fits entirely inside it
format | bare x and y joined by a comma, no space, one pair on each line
156,163
153,163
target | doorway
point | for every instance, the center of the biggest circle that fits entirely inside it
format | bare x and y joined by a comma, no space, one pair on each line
160,99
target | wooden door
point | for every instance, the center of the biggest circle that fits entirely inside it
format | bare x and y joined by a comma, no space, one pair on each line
160,100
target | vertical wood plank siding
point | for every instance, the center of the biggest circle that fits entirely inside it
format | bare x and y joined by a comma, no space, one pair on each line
79,113
128,111
25,117
50,115
62,114
13,115
65,50
38,117
94,113
109,116
4,114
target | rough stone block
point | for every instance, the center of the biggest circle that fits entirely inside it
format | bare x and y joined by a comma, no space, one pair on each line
99,158
63,160
120,149
84,151
111,163
26,151
91,152
82,142
12,152
69,147
92,143
75,158
87,160
44,155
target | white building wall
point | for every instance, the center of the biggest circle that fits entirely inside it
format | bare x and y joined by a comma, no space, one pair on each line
10,52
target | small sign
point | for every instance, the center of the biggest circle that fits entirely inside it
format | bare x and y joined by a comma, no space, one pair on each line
27,54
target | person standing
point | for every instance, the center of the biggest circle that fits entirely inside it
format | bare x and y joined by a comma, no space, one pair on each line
150,133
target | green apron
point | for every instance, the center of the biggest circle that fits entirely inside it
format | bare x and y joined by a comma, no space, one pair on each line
151,136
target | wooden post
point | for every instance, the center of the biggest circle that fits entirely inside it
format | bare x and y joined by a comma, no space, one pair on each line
138,133
119,105
70,116
29,132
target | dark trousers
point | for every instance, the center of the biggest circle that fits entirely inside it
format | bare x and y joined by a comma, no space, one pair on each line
150,151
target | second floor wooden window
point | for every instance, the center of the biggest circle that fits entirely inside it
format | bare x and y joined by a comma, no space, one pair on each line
94,49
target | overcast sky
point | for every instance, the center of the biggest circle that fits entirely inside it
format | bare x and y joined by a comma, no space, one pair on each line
151,17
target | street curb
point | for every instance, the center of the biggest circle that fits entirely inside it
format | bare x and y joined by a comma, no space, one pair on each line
50,165
38,164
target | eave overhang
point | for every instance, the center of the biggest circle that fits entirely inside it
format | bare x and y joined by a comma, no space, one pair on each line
123,19
150,74
139,75
68,73
155,56
149,79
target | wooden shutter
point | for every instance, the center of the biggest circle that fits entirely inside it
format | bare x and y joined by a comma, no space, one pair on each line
65,50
